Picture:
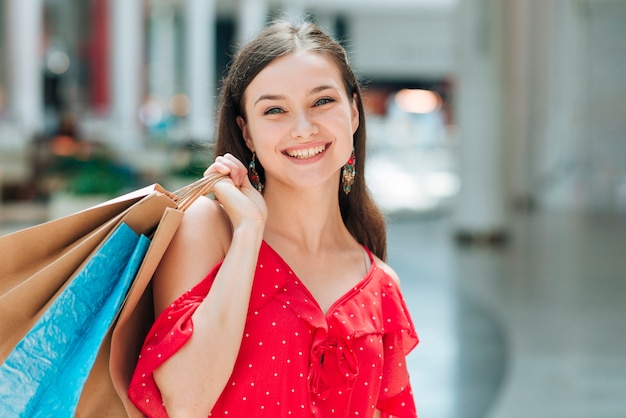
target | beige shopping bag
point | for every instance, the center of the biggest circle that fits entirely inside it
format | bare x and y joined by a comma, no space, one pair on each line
37,263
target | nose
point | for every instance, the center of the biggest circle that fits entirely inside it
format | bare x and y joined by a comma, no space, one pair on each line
303,126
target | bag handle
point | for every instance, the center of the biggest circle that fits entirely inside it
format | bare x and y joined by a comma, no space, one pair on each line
185,196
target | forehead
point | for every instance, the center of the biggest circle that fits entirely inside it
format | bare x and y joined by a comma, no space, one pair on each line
296,72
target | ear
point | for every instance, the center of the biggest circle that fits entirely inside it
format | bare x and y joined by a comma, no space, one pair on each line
243,125
355,113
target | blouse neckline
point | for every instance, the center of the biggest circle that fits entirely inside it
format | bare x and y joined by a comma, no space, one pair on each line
344,296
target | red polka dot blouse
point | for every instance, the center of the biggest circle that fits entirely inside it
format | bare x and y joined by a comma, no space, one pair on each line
294,359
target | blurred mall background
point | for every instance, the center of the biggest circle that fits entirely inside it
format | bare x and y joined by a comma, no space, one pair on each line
497,149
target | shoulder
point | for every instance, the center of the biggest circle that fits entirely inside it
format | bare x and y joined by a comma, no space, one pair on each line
387,270
200,242
397,318
204,227
205,220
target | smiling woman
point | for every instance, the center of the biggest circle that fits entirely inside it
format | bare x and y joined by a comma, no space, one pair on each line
298,108
274,299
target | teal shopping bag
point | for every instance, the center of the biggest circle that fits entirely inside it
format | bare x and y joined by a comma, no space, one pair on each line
45,373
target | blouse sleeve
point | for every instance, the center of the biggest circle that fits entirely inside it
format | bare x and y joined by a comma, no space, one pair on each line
396,395
170,331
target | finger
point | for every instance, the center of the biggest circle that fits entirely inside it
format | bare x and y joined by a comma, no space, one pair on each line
238,171
246,183
218,167
235,160
222,165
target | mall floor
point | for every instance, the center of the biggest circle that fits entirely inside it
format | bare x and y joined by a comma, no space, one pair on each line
536,329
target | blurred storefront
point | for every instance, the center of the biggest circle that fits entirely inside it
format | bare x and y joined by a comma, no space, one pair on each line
529,95
140,78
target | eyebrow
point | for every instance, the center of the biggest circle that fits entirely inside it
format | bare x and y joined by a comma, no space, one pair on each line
269,97
282,97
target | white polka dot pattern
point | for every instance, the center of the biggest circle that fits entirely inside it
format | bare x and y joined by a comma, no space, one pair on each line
296,361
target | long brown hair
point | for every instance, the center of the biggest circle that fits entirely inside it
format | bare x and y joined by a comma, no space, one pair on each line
360,214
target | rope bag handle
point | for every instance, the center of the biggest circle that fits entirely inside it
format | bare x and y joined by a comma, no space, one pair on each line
185,196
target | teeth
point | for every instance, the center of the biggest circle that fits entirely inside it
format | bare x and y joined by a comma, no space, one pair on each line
306,153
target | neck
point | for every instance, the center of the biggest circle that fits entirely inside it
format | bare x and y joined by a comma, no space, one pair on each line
310,220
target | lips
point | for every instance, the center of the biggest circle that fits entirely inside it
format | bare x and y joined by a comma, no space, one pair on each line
304,153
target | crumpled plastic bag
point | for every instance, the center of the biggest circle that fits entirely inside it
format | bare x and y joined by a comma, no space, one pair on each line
44,375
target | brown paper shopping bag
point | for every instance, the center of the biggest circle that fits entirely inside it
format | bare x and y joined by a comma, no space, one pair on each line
38,262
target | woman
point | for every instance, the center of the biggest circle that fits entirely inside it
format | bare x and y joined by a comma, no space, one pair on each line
292,311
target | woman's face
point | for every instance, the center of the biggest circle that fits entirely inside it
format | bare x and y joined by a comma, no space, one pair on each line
299,120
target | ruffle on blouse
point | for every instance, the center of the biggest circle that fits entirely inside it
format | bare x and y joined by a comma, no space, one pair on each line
170,331
334,367
378,310
396,396
333,370
396,318
271,278
174,326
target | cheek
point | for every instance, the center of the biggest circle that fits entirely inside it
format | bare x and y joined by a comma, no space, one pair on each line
267,129
265,137
344,128
347,154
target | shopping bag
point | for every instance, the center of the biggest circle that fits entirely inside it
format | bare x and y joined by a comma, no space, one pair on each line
58,248
36,262
45,373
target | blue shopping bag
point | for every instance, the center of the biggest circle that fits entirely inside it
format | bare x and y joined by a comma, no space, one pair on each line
45,373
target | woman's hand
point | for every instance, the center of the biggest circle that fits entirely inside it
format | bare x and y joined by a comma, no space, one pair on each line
241,201
203,239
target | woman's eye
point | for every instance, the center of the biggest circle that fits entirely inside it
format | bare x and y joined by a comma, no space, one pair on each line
323,101
273,111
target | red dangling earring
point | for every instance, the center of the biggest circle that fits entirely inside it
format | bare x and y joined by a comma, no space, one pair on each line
254,176
348,172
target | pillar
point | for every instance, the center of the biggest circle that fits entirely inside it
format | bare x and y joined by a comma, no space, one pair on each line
560,66
252,17
162,60
517,91
200,45
127,52
480,214
544,83
24,20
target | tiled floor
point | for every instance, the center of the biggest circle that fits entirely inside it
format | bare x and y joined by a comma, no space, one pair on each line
535,330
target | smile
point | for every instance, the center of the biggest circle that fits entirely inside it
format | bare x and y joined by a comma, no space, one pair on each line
306,152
